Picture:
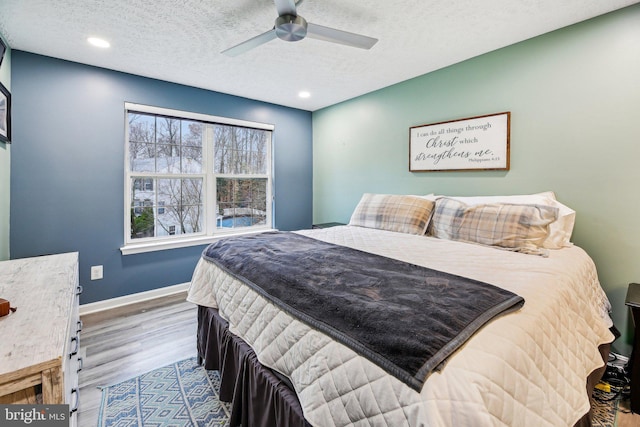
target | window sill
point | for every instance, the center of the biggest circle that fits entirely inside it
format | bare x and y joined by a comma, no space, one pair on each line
138,248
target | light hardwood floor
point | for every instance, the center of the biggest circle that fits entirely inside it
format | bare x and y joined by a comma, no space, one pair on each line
626,418
122,343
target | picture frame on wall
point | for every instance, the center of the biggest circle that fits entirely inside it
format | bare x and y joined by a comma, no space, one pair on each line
3,49
5,114
473,143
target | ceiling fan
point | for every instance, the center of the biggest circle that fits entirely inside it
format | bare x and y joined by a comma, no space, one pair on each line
291,27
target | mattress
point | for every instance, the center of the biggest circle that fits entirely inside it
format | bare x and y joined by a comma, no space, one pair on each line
527,368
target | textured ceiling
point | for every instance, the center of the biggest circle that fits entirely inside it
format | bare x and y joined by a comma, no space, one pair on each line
181,40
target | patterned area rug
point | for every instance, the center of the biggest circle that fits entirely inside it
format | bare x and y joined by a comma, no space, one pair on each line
179,395
605,408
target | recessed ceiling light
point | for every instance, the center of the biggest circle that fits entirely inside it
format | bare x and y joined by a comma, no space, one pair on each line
98,42
304,94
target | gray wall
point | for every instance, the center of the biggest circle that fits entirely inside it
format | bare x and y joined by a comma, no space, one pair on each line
574,97
67,174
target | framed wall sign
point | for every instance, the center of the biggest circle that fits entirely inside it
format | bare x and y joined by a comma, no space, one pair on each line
474,143
5,114
3,49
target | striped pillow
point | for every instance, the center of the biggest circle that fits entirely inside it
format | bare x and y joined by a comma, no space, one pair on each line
404,214
520,228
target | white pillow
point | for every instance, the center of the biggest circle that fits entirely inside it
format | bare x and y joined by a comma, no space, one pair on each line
430,196
559,231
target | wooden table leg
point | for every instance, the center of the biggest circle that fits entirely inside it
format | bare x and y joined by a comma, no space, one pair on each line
52,392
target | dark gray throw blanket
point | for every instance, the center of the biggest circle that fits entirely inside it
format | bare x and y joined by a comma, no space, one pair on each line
405,318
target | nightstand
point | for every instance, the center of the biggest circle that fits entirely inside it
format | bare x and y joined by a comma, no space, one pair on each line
633,301
327,225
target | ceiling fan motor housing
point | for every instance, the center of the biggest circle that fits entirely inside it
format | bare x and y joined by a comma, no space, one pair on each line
291,28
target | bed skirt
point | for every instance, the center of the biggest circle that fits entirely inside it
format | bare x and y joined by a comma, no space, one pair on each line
261,397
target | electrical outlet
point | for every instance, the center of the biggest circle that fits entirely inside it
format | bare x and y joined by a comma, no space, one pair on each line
96,272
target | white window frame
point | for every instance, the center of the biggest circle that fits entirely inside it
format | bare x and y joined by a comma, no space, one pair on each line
210,233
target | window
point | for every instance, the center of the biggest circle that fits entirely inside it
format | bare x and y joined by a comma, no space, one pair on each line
191,176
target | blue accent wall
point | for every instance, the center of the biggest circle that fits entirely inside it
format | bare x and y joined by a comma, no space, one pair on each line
67,174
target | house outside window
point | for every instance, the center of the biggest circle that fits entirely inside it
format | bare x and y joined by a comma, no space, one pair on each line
193,176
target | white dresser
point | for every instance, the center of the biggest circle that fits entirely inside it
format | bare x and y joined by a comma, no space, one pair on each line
40,341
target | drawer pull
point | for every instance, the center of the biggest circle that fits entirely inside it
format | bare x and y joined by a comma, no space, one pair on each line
77,402
80,364
79,290
75,339
79,326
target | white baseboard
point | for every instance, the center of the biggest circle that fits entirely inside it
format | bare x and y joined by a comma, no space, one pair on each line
95,307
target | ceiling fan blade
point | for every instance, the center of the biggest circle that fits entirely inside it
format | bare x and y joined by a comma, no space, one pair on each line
286,7
251,43
338,36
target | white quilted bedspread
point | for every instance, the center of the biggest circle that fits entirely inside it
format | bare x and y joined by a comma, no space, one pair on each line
527,368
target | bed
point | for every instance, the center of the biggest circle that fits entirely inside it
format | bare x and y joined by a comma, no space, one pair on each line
527,366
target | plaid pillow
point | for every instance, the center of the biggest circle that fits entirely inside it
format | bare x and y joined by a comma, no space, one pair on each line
404,214
521,228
